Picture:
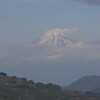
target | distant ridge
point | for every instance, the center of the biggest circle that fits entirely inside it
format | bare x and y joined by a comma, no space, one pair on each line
87,83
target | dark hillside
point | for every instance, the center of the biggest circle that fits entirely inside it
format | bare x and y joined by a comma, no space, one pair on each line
14,88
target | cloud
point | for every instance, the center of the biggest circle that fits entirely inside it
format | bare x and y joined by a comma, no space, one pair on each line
53,57
92,1
63,30
24,53
76,52
97,2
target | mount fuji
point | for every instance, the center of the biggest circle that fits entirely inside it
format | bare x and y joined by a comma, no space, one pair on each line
54,44
54,38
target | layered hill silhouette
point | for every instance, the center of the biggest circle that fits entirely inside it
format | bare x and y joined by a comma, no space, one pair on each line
14,88
87,83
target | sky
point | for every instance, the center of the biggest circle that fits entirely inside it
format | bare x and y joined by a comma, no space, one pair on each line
23,21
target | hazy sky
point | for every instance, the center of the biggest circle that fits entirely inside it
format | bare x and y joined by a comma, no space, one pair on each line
22,21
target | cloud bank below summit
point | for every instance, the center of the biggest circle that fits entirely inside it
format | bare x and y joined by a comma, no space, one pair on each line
28,53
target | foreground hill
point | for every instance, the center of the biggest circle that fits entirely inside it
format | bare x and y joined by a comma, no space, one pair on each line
87,83
13,88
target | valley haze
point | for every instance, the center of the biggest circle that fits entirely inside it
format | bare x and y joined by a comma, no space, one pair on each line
47,41
52,58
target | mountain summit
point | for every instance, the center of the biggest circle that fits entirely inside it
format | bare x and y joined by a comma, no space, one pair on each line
53,38
55,45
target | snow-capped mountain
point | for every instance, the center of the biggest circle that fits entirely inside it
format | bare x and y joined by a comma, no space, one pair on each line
53,38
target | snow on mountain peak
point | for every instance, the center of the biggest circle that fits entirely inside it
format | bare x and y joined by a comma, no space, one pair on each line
55,37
